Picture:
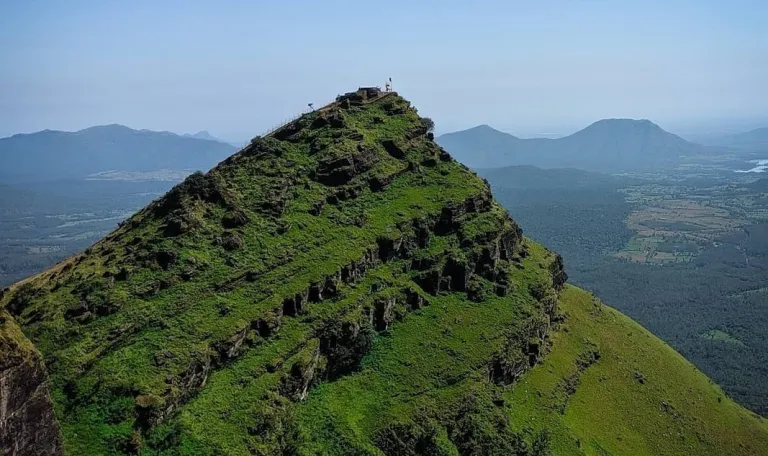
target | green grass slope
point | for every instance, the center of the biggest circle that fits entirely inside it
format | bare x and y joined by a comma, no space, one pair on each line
203,322
609,387
341,286
425,386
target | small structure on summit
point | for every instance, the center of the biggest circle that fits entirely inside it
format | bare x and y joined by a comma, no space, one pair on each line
388,85
360,96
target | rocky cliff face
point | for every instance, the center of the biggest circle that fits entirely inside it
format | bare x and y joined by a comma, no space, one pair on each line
27,423
206,321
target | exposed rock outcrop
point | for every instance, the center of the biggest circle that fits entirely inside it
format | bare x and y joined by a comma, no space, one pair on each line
28,425
296,382
559,276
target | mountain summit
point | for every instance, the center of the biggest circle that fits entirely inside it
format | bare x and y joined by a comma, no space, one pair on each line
606,145
202,135
342,286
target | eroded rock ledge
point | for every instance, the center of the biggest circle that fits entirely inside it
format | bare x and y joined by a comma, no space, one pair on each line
28,426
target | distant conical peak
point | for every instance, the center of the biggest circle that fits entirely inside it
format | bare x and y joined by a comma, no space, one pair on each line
485,127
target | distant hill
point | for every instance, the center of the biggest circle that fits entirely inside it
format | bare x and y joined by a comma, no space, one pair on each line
608,145
758,136
482,146
202,135
48,154
753,136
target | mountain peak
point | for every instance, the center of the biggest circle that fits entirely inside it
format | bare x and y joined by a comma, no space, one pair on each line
242,288
203,134
485,129
341,285
606,145
623,123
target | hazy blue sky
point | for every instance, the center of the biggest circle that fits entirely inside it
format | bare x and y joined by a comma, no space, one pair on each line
236,68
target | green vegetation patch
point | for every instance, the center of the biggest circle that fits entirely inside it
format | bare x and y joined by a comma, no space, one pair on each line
722,336
638,397
198,324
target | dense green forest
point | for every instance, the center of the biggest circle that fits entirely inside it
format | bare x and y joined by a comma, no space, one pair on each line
710,306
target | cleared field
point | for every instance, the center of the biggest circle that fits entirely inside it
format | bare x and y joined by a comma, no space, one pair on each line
674,224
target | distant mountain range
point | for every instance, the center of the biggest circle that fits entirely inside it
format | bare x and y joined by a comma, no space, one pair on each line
608,145
48,154
756,137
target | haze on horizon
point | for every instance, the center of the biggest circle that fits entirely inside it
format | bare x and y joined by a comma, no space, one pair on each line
238,68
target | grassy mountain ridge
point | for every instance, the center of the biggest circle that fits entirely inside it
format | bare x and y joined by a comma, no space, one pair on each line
608,145
49,155
221,303
607,387
341,286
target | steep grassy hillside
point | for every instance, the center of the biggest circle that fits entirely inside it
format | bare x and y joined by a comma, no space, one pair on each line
341,287
609,387
197,326
426,387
